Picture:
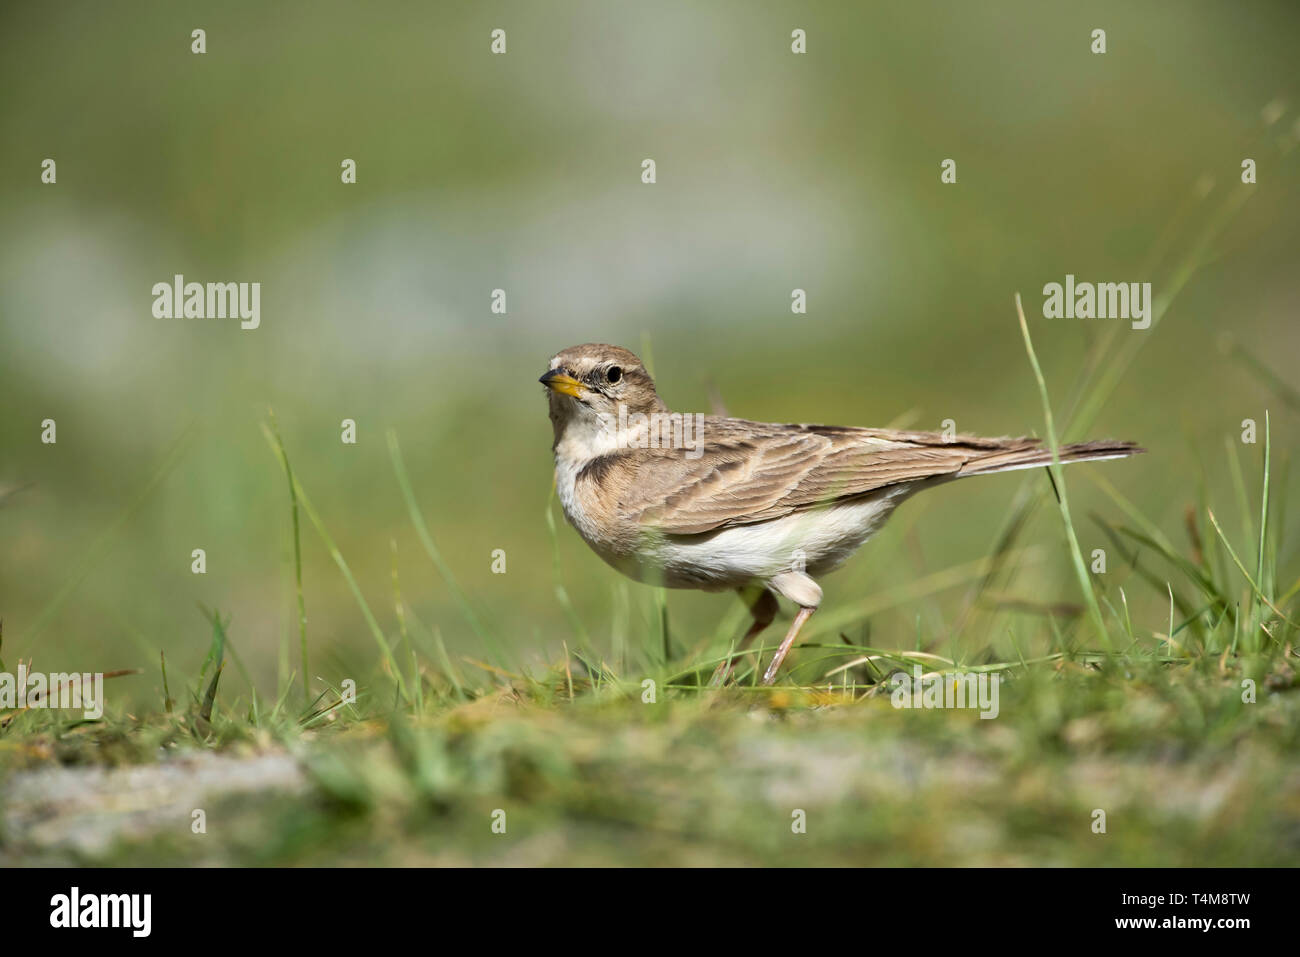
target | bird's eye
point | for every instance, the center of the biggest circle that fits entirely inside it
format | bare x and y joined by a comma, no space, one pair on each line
614,373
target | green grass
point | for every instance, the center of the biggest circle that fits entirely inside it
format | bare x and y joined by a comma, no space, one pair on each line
1181,726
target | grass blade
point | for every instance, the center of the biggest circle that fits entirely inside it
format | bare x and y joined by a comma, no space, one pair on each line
297,555
1245,574
1080,569
342,564
422,531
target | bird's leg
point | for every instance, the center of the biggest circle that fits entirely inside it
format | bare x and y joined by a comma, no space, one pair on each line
764,609
807,594
804,614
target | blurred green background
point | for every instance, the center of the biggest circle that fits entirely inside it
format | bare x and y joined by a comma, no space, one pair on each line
522,172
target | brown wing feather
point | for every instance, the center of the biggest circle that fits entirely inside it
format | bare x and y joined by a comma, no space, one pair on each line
755,472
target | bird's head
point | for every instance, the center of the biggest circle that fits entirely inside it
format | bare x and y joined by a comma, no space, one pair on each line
593,387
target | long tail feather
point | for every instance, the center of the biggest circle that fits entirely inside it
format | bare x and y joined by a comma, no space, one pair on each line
1037,456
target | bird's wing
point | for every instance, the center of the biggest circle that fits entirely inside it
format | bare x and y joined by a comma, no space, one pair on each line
754,472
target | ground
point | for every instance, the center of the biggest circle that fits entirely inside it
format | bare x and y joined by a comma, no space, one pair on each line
1184,771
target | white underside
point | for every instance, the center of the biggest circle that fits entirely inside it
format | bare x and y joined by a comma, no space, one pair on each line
814,541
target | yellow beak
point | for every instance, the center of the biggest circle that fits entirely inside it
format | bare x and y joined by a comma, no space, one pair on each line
557,380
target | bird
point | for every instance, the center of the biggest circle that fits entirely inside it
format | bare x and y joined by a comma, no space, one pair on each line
686,500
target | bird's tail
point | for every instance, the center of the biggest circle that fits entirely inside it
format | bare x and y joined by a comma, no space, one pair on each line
1036,455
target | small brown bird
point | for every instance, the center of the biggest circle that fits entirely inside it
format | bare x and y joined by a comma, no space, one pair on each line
695,501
